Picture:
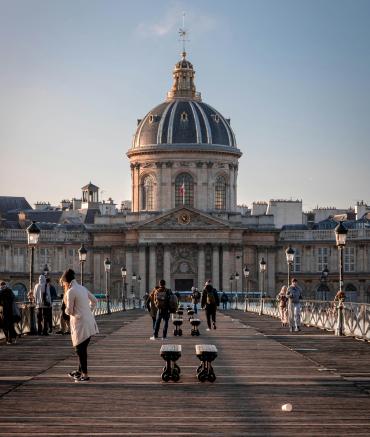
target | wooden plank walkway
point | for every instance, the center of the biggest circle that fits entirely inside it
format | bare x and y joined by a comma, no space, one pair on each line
259,368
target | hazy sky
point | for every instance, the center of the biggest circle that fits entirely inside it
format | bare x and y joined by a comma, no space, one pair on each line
293,76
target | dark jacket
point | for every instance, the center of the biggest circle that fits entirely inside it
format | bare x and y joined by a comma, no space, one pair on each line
150,305
208,289
6,301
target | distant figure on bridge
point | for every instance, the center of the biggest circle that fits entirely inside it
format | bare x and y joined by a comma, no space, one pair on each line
79,304
150,305
282,299
210,302
224,300
195,298
161,300
294,306
7,300
41,295
49,310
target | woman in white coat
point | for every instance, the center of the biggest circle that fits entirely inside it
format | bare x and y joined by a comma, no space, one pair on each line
79,305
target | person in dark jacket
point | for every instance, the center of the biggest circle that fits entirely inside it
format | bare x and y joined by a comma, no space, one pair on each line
210,302
161,300
7,299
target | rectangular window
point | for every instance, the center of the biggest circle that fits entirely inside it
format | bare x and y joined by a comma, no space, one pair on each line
349,259
322,258
297,261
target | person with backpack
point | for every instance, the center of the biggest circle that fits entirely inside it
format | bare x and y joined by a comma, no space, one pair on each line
150,306
210,302
224,300
195,297
162,302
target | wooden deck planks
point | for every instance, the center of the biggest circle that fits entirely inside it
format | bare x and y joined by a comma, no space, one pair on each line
257,371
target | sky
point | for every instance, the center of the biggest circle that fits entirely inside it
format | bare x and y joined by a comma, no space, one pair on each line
293,76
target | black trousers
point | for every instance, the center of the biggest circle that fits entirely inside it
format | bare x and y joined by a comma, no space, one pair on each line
9,332
211,313
81,351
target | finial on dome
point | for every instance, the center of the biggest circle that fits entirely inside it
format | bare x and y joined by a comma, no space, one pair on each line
183,36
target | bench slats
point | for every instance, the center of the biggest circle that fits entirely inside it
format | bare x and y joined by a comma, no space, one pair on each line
201,348
170,348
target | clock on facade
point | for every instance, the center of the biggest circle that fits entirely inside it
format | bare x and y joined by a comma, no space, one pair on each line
184,218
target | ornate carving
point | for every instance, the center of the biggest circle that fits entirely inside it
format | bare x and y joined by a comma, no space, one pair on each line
210,164
199,164
184,164
158,164
169,164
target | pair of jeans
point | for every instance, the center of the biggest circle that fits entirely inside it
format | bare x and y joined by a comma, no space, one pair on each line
195,306
224,305
165,315
294,312
81,351
43,320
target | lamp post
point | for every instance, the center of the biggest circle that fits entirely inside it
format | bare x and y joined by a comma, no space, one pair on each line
46,270
133,288
263,271
124,288
33,235
236,289
231,288
107,265
82,254
323,279
138,284
340,236
246,277
289,253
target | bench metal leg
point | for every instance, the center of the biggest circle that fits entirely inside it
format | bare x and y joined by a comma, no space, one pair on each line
171,371
205,371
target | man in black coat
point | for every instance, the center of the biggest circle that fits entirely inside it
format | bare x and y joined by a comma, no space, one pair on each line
7,299
210,302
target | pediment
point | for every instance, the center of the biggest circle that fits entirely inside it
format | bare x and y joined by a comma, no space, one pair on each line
184,218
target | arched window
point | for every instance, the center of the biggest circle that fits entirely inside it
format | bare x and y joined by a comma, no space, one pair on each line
184,190
351,293
323,292
147,193
220,193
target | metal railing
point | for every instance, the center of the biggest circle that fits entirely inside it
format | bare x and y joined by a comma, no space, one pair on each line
322,314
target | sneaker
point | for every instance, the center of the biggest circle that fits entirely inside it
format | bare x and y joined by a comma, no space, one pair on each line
214,326
297,329
208,329
153,338
74,374
81,378
164,338
291,329
8,342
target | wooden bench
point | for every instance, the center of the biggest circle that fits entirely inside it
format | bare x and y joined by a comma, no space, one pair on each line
206,354
190,313
177,321
194,326
171,353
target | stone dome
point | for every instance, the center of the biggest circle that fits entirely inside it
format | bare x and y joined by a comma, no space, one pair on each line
183,120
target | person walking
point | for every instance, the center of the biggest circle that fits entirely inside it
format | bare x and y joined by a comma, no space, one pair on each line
79,305
224,300
210,302
42,298
282,299
294,295
150,306
161,301
195,297
7,300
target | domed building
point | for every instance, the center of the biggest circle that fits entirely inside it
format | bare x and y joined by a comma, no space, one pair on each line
184,152
184,224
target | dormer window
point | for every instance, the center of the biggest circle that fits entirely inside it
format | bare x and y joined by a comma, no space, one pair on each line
153,118
216,118
184,117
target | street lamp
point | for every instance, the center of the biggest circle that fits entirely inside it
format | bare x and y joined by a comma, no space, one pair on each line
263,271
107,265
236,287
133,288
324,274
82,254
33,235
124,288
340,236
231,288
289,253
246,273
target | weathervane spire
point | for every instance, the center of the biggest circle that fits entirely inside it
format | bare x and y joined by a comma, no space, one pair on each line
183,35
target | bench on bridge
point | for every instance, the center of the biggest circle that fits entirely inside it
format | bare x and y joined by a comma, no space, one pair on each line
206,353
171,353
194,327
177,321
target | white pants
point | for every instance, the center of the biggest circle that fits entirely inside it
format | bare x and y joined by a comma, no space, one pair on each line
294,311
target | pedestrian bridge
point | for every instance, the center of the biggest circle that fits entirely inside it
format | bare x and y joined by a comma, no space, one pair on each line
260,366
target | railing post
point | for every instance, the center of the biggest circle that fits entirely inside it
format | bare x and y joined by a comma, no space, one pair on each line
339,331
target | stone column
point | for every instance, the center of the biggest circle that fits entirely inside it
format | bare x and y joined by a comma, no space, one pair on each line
129,269
270,277
201,267
216,267
97,279
226,268
152,267
142,286
167,265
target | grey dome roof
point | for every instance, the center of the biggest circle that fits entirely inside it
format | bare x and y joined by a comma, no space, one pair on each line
184,121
